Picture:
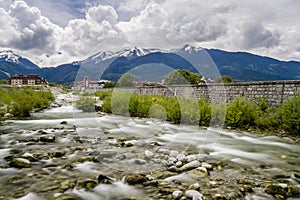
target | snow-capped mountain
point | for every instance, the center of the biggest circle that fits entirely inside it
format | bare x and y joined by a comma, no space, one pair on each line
9,56
241,66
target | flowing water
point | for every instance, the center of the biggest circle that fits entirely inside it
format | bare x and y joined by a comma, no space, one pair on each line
99,144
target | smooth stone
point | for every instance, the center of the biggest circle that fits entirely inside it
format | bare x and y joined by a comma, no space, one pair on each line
164,151
195,186
89,184
58,154
149,154
191,158
177,194
207,166
193,194
20,163
102,179
181,157
29,157
276,189
178,164
135,179
47,138
174,153
191,165
140,162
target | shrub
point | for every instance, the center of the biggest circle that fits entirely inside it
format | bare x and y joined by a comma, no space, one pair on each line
86,104
20,102
241,113
289,115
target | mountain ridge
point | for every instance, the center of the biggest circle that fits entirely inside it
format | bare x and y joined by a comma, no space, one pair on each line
241,66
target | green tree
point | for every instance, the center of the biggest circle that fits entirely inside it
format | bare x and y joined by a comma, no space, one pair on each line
3,82
126,80
224,79
182,76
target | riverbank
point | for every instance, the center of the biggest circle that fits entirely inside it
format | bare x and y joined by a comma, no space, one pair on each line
238,114
18,102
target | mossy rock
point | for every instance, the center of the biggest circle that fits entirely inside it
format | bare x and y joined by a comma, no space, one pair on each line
276,190
20,163
135,179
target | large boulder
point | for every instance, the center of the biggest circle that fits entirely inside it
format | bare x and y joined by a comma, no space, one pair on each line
20,163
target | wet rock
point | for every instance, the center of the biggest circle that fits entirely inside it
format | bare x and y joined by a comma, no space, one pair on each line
68,167
88,184
20,163
174,153
164,151
193,194
191,165
102,179
276,189
7,115
177,194
149,154
195,186
181,157
48,138
191,158
293,191
140,162
64,122
135,179
58,154
178,164
245,189
207,166
67,184
30,157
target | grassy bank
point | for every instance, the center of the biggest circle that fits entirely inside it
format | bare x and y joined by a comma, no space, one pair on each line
240,113
19,102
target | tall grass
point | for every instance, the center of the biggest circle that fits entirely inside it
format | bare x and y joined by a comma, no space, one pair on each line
240,113
20,102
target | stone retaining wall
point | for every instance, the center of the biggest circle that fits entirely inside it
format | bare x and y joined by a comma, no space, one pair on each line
276,92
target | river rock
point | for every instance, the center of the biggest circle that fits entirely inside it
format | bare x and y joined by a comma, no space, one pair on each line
20,163
195,186
174,153
47,138
89,184
135,179
139,161
193,194
149,154
29,157
164,151
276,189
58,154
191,165
177,194
181,157
102,179
7,115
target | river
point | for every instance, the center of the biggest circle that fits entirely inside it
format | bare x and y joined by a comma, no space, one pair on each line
69,151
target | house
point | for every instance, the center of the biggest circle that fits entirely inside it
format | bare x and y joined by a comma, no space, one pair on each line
30,79
87,84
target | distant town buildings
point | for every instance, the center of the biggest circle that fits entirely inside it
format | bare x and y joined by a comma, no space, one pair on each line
30,79
88,84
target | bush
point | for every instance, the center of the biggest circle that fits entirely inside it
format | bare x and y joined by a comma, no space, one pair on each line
20,102
289,115
86,104
241,113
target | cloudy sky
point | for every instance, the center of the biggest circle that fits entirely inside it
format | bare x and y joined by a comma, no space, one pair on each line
51,32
